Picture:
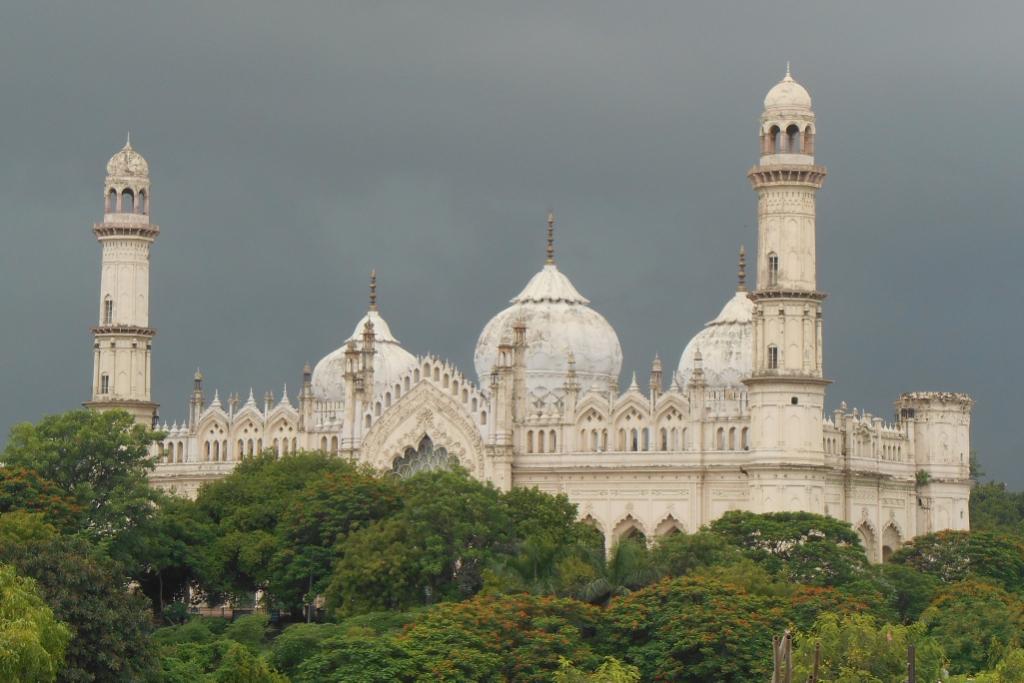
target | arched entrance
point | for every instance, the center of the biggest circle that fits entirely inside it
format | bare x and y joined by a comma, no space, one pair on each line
424,458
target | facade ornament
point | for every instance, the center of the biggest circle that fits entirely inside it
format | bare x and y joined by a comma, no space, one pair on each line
551,237
373,290
742,285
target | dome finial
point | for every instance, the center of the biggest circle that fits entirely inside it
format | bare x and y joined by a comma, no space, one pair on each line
551,237
742,286
128,140
373,289
788,75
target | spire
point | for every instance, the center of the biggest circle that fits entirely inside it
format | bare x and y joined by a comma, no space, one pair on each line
373,290
742,286
788,75
252,399
551,237
633,386
128,141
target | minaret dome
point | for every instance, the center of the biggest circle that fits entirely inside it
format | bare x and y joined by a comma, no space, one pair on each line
787,124
126,191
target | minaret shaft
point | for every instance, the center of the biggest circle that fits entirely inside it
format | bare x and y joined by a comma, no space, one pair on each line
122,337
786,390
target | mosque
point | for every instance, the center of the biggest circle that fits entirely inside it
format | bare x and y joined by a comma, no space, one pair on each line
740,426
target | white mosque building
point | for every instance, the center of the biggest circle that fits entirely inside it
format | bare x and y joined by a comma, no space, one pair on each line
740,426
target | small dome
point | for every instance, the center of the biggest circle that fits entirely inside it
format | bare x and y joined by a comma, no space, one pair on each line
128,162
726,345
558,321
787,95
390,361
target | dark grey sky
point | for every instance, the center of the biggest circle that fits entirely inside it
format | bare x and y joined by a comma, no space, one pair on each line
295,146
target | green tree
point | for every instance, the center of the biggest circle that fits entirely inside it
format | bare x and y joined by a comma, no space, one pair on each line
329,508
681,554
1009,670
953,556
501,638
89,592
436,547
170,551
98,461
909,591
994,508
804,547
24,490
977,623
856,648
693,629
245,508
32,641
611,670
628,568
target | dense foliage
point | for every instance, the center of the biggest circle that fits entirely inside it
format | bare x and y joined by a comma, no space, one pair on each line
440,577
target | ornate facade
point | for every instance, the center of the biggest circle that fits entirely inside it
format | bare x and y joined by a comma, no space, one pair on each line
741,424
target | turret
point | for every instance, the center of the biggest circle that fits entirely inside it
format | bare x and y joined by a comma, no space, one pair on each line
938,426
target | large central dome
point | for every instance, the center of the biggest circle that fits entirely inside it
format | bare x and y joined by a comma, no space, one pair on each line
558,322
390,360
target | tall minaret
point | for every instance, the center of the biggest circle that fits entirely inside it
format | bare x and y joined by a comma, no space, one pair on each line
787,387
123,339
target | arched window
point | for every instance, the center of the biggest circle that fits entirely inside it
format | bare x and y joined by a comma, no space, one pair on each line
773,269
206,451
634,441
323,443
646,438
472,405
104,383
775,143
720,439
387,400
552,442
425,458
369,420
793,139
529,441
685,441
181,452
773,357
622,439
112,201
241,449
248,447
334,445
216,451
259,445
437,374
744,441
540,441
674,434
732,438
483,417
664,439
808,144
595,441
127,201
142,202
108,311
